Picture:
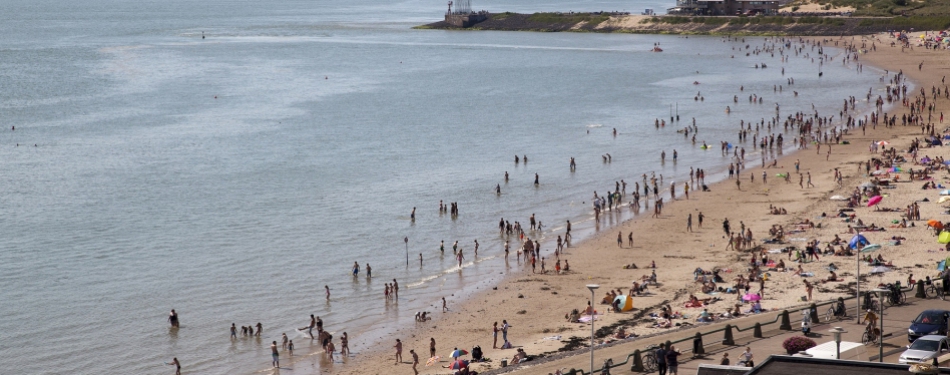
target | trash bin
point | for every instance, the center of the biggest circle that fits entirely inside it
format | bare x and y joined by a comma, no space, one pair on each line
504,363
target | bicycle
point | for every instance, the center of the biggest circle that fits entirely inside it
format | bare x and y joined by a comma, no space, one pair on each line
836,310
934,289
896,296
871,335
649,359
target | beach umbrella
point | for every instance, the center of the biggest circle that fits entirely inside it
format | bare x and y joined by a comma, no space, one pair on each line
433,360
458,353
867,185
880,269
874,200
751,297
458,365
870,248
934,223
858,239
883,143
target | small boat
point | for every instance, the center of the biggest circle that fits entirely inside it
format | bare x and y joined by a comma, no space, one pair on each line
656,49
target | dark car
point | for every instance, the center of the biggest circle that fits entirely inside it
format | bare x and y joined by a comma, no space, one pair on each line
929,322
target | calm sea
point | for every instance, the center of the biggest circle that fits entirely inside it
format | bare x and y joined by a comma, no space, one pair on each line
232,177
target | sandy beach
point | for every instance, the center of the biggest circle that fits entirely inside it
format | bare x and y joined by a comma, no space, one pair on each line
535,304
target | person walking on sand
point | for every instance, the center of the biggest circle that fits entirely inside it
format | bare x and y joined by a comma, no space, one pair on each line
345,345
630,240
504,330
431,347
398,347
808,288
689,223
494,335
620,239
809,180
275,357
700,219
415,360
444,307
177,365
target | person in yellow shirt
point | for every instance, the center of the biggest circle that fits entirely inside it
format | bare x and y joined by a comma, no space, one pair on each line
871,318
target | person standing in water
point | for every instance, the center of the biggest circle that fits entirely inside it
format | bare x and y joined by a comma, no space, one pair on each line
177,365
395,289
345,345
313,323
356,269
412,216
460,257
275,356
327,287
173,319
536,179
369,271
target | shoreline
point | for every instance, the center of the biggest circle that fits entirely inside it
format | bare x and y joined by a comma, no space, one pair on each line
780,25
505,303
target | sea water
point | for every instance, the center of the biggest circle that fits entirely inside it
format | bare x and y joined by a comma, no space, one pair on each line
229,159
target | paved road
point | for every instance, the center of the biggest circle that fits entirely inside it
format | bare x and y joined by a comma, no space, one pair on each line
896,322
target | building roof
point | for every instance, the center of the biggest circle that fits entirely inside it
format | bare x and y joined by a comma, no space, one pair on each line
705,369
788,365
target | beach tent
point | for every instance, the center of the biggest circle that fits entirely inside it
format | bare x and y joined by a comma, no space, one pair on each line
626,302
858,240
944,238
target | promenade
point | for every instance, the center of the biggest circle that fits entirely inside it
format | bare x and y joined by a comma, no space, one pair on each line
896,321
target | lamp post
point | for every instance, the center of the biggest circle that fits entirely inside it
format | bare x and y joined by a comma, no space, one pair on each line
406,240
881,294
592,288
837,331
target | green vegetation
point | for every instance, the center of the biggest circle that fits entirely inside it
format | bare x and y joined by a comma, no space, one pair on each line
743,20
883,8
563,18
903,23
501,16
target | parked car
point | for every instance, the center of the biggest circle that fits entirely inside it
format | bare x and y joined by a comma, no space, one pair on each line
925,349
929,322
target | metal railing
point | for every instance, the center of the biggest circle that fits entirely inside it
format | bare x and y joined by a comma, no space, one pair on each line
636,357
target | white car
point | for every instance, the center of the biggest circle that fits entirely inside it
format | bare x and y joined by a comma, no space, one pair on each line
925,349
